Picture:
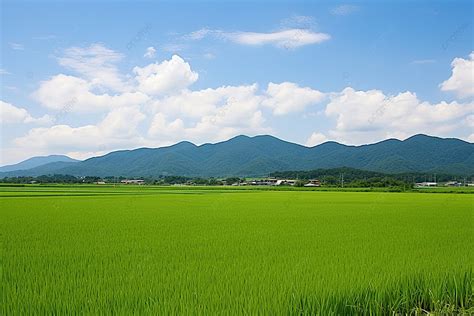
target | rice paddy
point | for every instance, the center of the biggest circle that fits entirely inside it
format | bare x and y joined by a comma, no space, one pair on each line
151,250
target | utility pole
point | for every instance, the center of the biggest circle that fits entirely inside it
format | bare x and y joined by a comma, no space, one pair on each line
342,180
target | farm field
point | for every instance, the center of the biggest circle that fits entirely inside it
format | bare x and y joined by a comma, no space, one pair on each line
86,249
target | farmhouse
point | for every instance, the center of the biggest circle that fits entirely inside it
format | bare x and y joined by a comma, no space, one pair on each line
313,183
285,182
132,181
268,181
272,181
453,184
426,184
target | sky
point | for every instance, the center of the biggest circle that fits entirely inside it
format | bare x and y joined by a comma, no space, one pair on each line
86,78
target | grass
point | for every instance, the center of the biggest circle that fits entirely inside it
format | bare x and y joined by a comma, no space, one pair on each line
85,249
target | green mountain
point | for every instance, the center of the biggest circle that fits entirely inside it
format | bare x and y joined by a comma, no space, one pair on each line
260,155
36,162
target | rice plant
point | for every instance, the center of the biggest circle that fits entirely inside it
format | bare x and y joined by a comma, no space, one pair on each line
175,251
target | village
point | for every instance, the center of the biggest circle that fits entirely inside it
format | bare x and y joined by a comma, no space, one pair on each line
271,181
239,182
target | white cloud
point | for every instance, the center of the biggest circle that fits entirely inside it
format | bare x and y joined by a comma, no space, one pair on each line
211,114
344,9
291,38
72,94
287,97
11,114
122,122
196,104
470,121
119,129
150,52
461,81
16,46
167,77
368,116
316,139
59,137
287,38
97,64
95,68
161,128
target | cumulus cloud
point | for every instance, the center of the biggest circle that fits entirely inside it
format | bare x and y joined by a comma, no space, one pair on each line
68,93
117,130
72,94
161,128
199,103
213,114
287,38
461,81
287,97
368,116
150,52
11,114
166,77
95,63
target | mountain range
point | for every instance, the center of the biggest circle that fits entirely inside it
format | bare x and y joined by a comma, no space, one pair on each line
260,155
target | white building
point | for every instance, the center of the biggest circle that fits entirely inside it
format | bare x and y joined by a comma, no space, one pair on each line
426,184
132,181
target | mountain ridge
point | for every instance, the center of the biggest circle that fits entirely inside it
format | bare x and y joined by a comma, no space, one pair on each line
260,155
36,161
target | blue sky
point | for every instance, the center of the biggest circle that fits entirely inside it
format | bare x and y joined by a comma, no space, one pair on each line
86,78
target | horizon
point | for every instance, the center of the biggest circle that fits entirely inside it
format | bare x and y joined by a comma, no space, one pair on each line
308,73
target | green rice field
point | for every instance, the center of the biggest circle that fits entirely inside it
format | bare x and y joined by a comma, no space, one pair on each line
207,251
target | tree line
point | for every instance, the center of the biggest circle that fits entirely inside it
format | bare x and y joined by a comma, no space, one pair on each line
351,177
336,177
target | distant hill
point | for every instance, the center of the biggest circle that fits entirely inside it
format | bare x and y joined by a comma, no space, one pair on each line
35,162
260,155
